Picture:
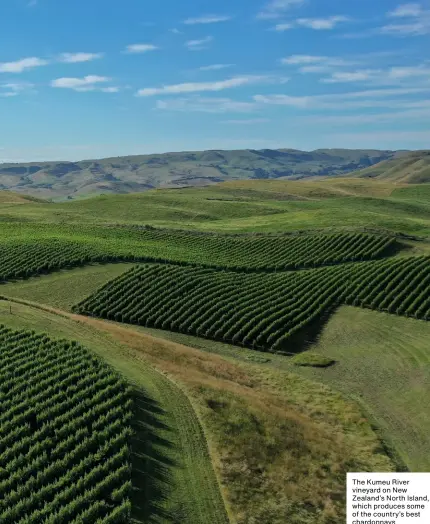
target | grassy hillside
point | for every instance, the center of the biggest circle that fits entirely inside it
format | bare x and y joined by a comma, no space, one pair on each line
411,168
62,180
384,361
245,206
9,197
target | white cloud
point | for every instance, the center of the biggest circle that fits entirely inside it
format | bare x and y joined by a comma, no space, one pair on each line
370,98
215,67
286,26
196,87
406,10
20,86
303,59
206,105
418,28
109,89
208,19
14,89
246,121
197,45
422,114
88,83
350,76
322,23
140,48
276,8
388,76
21,65
392,139
73,58
416,21
315,61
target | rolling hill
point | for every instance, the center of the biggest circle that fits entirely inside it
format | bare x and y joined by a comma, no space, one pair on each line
131,174
412,168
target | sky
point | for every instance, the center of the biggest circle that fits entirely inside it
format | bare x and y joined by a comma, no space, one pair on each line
86,79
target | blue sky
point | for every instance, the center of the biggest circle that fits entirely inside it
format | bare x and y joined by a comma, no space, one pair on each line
95,78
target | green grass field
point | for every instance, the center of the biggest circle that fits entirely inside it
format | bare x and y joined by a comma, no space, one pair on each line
64,288
384,361
249,206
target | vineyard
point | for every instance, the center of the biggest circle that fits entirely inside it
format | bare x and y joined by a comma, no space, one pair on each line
22,259
261,311
64,434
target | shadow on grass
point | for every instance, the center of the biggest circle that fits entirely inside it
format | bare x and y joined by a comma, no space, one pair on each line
151,462
309,336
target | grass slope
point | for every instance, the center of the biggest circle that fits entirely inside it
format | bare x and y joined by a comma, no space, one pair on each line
64,288
383,360
247,206
192,168
9,197
280,443
412,168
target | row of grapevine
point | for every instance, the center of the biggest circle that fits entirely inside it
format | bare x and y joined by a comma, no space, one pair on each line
64,434
261,311
22,259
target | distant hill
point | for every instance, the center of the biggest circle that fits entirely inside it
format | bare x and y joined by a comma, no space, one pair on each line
9,197
62,180
411,168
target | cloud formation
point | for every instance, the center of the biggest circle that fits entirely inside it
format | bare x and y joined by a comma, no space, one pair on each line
140,48
22,65
246,121
318,24
215,67
14,89
413,20
371,98
391,75
87,83
196,87
277,8
406,10
197,45
208,19
205,105
322,23
74,58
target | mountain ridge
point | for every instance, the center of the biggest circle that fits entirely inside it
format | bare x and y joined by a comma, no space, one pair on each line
61,180
411,168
